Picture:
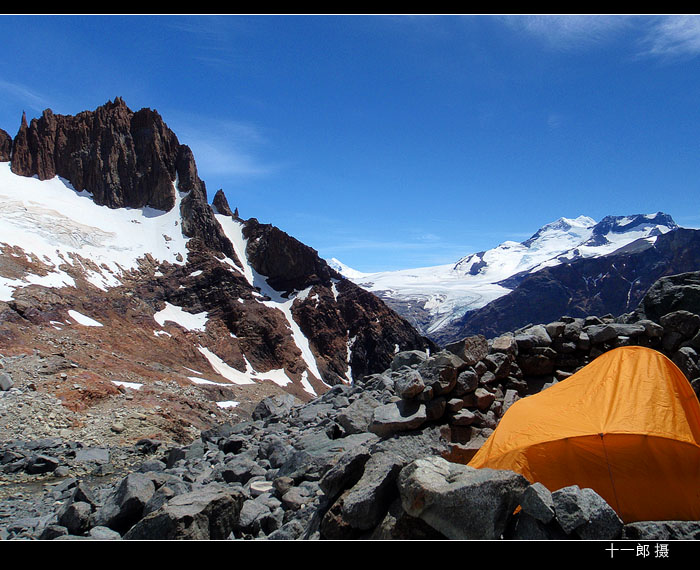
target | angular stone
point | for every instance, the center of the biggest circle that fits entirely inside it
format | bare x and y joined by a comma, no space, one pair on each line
467,381
125,506
279,405
38,464
76,517
536,365
483,398
460,502
439,373
408,358
471,349
688,362
209,513
103,533
505,344
555,329
5,381
367,502
662,530
584,512
683,322
240,469
435,409
347,470
409,384
397,416
499,364
599,334
463,417
537,502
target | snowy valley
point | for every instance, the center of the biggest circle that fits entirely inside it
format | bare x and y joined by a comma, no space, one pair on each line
433,298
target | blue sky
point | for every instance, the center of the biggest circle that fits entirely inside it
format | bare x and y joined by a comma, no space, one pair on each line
393,141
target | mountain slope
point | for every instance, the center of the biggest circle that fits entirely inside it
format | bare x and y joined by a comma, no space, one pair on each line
111,255
611,284
433,298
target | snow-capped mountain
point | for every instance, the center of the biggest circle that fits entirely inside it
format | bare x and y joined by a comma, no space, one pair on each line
433,297
107,240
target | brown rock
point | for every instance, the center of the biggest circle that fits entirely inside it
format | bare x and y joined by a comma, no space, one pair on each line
5,146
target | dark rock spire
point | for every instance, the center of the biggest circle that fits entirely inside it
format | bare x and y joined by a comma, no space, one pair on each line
125,159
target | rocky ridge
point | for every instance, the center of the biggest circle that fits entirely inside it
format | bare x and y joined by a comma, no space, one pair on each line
269,315
382,458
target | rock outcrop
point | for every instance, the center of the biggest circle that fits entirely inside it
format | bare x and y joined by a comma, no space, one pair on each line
274,308
125,159
5,146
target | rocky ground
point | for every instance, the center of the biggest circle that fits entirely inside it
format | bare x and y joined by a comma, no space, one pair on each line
381,458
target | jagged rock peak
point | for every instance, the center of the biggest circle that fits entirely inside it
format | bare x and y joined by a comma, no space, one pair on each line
123,158
220,204
288,264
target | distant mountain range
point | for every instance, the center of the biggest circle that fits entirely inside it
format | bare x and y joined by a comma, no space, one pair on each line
447,302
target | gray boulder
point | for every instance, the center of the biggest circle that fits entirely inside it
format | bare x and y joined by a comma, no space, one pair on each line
367,502
76,517
408,358
460,502
538,503
279,405
471,349
599,334
662,530
409,384
688,362
125,506
208,513
585,513
397,416
357,417
240,469
5,381
346,471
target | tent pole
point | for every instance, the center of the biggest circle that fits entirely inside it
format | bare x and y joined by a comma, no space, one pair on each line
612,483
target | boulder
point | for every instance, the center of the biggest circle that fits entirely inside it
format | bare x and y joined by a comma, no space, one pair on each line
125,506
538,503
397,416
688,362
662,530
458,501
409,384
278,405
5,381
368,500
586,514
209,513
76,517
471,349
408,358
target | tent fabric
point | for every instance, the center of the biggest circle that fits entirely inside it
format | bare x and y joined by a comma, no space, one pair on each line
626,425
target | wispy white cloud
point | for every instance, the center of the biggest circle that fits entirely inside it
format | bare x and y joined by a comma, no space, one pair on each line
16,91
224,147
662,36
569,32
673,36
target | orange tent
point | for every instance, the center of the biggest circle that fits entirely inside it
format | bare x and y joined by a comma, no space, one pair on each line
626,425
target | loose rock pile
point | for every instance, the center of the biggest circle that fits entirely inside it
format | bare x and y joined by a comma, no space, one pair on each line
384,458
